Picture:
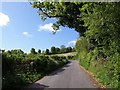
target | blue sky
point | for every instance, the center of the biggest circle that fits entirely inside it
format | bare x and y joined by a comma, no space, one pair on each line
23,29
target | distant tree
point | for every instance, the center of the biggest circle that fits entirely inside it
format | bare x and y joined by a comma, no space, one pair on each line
62,46
47,52
53,50
39,51
32,51
57,50
69,49
17,51
63,49
2,51
9,52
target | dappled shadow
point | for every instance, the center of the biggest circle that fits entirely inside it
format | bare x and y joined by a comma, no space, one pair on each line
36,86
60,70
40,86
67,65
56,72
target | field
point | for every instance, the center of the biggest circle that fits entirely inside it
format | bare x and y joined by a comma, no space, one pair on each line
66,54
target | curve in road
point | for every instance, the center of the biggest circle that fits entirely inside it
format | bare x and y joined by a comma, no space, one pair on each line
69,76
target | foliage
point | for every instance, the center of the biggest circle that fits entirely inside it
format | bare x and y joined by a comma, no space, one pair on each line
32,51
21,69
70,16
63,49
68,49
39,51
47,52
53,50
57,50
103,38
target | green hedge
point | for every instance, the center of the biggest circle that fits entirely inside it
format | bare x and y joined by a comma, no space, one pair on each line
105,69
19,71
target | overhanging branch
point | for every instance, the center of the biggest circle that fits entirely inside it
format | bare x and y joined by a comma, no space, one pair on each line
52,16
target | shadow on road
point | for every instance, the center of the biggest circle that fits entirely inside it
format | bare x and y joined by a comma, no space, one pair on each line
60,70
44,87
36,86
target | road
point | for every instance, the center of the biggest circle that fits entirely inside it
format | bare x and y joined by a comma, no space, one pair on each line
69,76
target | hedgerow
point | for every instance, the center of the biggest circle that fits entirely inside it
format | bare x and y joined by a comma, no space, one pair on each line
20,70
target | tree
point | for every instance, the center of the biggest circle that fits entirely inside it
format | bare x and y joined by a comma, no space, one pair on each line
63,49
47,52
68,49
2,51
69,17
103,32
57,50
32,51
53,50
39,51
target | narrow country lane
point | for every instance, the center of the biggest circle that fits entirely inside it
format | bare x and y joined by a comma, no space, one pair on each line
69,76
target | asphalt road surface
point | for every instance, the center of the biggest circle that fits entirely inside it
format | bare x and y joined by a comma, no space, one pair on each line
69,76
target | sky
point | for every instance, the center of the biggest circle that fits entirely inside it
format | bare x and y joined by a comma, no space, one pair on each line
22,28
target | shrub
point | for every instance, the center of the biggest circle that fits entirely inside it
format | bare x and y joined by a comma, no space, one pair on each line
19,71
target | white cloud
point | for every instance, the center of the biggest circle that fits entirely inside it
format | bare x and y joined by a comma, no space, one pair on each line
26,34
72,43
47,27
41,0
4,19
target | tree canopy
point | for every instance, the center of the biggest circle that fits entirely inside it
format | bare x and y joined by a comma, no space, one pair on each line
32,51
66,13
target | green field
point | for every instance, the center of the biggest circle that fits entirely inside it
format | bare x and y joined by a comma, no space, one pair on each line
66,54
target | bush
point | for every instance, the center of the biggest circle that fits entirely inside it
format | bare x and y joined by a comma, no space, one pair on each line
104,66
19,71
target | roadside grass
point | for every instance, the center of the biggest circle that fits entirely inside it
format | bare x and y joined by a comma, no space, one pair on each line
106,71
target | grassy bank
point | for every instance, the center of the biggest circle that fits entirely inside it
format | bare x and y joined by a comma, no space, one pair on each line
105,69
